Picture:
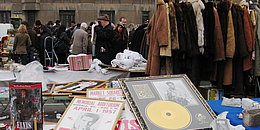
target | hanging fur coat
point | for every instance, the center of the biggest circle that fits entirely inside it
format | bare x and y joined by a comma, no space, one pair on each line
157,37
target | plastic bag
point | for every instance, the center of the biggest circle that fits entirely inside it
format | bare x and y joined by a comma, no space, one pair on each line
33,72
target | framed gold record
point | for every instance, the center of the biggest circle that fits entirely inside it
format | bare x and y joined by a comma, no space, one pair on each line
168,115
167,103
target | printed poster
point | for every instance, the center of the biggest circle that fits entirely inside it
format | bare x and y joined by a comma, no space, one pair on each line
90,114
26,105
127,119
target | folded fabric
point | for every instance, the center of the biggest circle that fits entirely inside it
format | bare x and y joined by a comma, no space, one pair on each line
125,64
128,59
95,66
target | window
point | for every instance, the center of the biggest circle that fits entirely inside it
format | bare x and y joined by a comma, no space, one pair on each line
110,13
5,16
145,16
66,16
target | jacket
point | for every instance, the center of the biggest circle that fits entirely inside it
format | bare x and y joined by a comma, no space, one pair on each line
79,42
22,42
257,49
104,44
249,38
198,6
157,37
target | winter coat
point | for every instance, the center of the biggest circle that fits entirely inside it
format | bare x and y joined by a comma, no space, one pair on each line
79,42
104,44
249,38
22,42
63,41
157,37
198,6
192,49
257,49
219,53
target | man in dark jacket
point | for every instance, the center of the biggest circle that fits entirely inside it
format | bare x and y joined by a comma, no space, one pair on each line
104,40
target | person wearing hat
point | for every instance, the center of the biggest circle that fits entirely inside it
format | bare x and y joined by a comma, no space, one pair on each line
104,40
80,40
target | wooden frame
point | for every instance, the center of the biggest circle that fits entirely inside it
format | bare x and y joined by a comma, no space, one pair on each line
72,87
50,88
174,89
94,112
57,87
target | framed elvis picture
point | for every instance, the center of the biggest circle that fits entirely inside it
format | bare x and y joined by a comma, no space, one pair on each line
167,102
81,86
89,114
26,105
127,120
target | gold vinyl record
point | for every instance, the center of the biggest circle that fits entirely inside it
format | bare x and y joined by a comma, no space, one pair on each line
168,115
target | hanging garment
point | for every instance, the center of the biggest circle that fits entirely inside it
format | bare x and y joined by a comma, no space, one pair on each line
158,37
198,6
249,38
257,49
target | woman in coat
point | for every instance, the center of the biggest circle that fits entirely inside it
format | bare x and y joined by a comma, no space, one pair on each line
22,42
120,39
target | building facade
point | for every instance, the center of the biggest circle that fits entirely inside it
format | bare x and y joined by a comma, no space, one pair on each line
136,11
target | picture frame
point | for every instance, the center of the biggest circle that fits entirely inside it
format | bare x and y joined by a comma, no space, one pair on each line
81,86
57,87
127,120
177,101
87,113
49,90
26,109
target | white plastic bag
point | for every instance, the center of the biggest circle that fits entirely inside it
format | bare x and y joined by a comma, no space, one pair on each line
33,72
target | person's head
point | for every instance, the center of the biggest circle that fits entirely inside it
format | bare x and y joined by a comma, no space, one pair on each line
50,24
73,23
38,23
22,29
62,28
119,28
170,84
89,118
84,26
25,23
23,92
123,20
104,20
57,22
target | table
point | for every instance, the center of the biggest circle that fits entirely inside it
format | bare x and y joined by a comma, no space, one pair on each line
232,112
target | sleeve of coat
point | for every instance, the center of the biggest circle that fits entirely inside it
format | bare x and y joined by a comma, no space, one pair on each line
29,42
85,43
162,26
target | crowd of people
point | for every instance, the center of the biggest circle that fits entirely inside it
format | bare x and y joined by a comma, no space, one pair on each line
102,39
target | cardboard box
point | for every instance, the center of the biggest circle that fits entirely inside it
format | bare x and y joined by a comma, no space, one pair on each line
79,62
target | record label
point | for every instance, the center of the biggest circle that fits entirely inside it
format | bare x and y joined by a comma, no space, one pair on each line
168,115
